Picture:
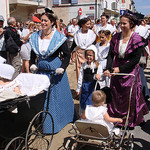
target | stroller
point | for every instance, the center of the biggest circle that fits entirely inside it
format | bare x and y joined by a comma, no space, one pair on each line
23,130
97,135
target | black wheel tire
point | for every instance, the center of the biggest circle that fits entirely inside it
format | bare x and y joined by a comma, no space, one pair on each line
17,143
35,138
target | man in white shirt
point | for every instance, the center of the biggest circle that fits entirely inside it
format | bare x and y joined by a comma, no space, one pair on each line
104,25
72,30
25,30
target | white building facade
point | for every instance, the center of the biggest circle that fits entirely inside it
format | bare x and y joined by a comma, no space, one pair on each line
23,10
68,9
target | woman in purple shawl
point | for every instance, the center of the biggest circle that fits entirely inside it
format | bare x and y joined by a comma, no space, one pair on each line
124,56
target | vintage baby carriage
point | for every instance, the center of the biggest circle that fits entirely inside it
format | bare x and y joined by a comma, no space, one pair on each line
97,135
23,129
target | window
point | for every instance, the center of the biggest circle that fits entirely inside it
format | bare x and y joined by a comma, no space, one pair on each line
74,1
65,1
56,2
38,0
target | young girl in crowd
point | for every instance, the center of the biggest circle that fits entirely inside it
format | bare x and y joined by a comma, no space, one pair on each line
98,112
90,72
6,83
102,53
103,47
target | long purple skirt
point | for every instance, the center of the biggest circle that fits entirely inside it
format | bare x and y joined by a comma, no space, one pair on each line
119,106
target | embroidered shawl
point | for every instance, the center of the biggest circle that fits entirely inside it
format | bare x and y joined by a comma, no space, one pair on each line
56,41
90,38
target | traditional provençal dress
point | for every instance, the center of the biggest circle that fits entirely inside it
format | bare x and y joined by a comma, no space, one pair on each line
61,105
127,61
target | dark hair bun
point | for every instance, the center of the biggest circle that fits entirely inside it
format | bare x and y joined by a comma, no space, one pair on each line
83,21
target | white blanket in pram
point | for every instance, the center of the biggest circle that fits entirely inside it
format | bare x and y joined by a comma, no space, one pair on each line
32,84
29,84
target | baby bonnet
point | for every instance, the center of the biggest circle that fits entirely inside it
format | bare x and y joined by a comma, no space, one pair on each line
6,71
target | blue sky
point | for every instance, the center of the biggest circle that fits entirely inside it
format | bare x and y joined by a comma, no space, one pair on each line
142,6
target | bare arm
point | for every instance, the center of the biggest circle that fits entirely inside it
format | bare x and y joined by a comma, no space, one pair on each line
27,36
17,90
111,119
83,115
69,34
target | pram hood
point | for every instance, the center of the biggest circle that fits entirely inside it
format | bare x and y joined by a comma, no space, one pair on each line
32,84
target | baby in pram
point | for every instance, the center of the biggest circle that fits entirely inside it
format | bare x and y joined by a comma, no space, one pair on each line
97,113
6,83
23,84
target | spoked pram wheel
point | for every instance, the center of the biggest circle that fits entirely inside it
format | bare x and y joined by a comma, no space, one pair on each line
130,141
17,143
71,144
40,132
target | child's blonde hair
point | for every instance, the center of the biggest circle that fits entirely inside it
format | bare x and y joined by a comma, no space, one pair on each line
98,97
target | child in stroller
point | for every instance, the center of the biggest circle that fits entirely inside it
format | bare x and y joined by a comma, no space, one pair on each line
6,83
23,84
97,112
17,111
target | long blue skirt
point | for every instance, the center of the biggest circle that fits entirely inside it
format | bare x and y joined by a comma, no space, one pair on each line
61,105
86,93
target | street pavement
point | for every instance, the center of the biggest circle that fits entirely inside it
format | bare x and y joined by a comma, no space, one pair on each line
141,133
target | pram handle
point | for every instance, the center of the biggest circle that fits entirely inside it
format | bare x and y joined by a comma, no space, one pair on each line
34,69
120,74
47,70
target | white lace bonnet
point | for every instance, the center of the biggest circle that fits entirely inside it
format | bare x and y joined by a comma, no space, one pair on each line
94,49
6,71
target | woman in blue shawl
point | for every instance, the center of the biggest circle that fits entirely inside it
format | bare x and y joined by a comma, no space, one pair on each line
48,44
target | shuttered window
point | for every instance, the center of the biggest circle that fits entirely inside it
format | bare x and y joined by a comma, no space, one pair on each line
74,1
65,1
56,2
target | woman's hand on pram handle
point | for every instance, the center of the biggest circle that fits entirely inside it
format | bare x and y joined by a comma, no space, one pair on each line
59,71
119,120
33,68
116,70
97,76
